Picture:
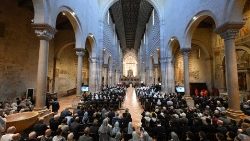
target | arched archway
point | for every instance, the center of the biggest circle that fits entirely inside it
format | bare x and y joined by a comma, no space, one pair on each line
173,73
156,67
243,63
177,61
64,76
40,10
203,23
195,22
93,77
74,21
110,70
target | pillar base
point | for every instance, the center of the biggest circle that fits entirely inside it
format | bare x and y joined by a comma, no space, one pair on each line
189,100
46,114
235,114
39,109
78,96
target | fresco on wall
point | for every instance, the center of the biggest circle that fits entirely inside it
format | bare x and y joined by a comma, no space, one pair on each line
243,59
65,73
199,67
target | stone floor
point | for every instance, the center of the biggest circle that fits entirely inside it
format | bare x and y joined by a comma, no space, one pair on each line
131,102
68,102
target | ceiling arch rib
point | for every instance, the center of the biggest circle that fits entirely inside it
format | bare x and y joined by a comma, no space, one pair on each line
117,17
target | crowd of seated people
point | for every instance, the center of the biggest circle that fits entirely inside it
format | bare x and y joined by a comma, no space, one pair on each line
109,97
86,123
245,107
167,117
94,125
19,105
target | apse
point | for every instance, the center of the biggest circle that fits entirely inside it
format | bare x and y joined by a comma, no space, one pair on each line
130,64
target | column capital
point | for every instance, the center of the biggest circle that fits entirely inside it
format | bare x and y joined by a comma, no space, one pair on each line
79,51
229,31
44,31
105,66
169,59
156,65
163,60
185,51
93,59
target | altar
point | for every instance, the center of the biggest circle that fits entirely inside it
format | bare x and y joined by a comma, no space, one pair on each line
135,81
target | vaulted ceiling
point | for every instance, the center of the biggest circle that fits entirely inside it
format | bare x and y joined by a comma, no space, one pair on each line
130,18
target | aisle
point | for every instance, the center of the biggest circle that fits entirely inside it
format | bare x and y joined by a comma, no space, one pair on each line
133,104
68,102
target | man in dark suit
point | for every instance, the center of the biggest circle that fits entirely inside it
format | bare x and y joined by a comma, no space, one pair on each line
159,132
75,127
40,127
54,123
55,105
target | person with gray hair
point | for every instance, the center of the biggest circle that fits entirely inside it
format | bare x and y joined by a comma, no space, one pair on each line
135,136
115,129
104,130
174,136
11,135
47,136
86,136
32,136
70,137
145,137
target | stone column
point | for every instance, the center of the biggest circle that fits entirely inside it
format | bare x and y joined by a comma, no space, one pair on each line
147,76
99,72
156,67
93,74
163,61
142,72
170,74
54,74
110,76
185,52
151,77
228,32
105,74
117,76
45,33
248,80
79,53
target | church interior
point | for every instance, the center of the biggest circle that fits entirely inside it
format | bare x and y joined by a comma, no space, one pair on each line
125,70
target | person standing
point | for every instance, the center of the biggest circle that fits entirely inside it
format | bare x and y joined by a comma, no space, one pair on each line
55,105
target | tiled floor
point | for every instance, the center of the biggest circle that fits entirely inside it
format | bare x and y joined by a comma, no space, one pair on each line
131,102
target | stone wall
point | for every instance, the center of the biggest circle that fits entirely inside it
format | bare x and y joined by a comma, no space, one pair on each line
66,70
18,51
